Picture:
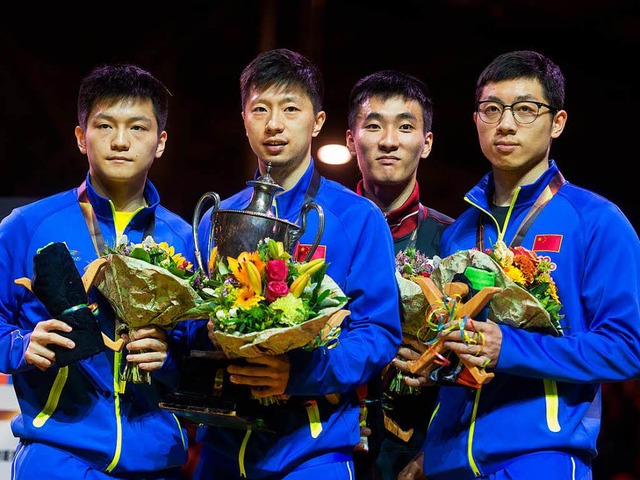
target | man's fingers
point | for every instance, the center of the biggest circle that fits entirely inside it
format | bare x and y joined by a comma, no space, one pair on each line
408,353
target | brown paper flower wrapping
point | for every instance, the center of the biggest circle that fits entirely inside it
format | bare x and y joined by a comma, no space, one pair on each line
414,308
272,341
513,306
143,294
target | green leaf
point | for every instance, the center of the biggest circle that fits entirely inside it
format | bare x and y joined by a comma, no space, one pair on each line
140,254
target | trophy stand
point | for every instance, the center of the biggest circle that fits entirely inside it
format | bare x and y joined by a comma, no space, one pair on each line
207,397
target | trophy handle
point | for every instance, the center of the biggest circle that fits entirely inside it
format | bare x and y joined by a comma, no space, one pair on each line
303,215
196,222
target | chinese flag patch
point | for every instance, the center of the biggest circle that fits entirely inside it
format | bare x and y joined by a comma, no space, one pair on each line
547,243
301,251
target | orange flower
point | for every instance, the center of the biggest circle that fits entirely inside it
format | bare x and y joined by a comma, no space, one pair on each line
239,270
246,298
528,268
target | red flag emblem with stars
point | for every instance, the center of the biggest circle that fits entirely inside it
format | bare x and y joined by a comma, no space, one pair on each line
547,243
301,251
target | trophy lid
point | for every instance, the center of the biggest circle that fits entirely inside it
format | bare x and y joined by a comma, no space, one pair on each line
264,188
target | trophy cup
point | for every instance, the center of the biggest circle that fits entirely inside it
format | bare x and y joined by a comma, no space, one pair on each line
204,393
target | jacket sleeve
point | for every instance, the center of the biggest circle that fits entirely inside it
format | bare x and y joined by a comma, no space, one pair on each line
600,291
19,309
371,334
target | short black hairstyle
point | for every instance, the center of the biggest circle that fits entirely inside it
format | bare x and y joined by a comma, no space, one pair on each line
280,67
388,84
119,82
525,64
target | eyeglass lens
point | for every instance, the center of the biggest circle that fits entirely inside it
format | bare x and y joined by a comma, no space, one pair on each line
523,112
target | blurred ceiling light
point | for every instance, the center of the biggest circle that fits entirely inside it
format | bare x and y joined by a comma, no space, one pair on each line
334,154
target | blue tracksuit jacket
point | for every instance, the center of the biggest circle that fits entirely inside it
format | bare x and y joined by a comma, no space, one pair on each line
545,395
359,251
76,408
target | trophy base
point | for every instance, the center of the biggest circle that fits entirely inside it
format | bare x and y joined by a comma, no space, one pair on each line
214,412
206,397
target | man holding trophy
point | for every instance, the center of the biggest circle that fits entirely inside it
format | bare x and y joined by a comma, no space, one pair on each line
313,431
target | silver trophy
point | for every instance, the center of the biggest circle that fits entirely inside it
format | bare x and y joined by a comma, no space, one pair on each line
236,231
204,393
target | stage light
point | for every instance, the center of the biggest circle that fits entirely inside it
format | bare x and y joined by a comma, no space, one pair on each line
334,154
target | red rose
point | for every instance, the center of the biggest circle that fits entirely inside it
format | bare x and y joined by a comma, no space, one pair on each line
275,290
277,271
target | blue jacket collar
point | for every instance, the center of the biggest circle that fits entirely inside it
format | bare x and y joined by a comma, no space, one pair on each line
289,203
482,193
103,209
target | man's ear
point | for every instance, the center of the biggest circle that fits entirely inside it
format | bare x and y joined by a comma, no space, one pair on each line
351,146
428,145
320,119
559,121
162,143
80,140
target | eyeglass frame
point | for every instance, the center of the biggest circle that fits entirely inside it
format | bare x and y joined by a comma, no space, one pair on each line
504,109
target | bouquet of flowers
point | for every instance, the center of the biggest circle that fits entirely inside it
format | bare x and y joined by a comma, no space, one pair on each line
529,298
531,272
514,284
261,302
146,284
264,302
411,263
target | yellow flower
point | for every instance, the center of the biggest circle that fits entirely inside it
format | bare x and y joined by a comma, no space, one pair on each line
181,262
169,249
553,291
212,259
246,298
514,274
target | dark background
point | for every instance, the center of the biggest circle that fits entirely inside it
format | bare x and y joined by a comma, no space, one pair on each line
198,51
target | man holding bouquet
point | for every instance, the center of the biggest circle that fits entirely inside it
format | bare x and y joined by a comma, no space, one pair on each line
539,417
316,429
78,420
390,117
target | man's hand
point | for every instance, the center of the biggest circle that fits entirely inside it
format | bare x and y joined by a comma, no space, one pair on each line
38,352
148,348
479,343
413,470
266,375
409,352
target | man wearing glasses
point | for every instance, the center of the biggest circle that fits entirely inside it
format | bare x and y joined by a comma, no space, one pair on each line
539,417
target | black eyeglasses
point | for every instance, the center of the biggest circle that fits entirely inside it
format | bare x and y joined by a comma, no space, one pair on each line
491,111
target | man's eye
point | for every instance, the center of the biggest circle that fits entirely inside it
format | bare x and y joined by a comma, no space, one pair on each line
525,108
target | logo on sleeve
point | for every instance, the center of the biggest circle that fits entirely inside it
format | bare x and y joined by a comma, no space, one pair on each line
547,243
